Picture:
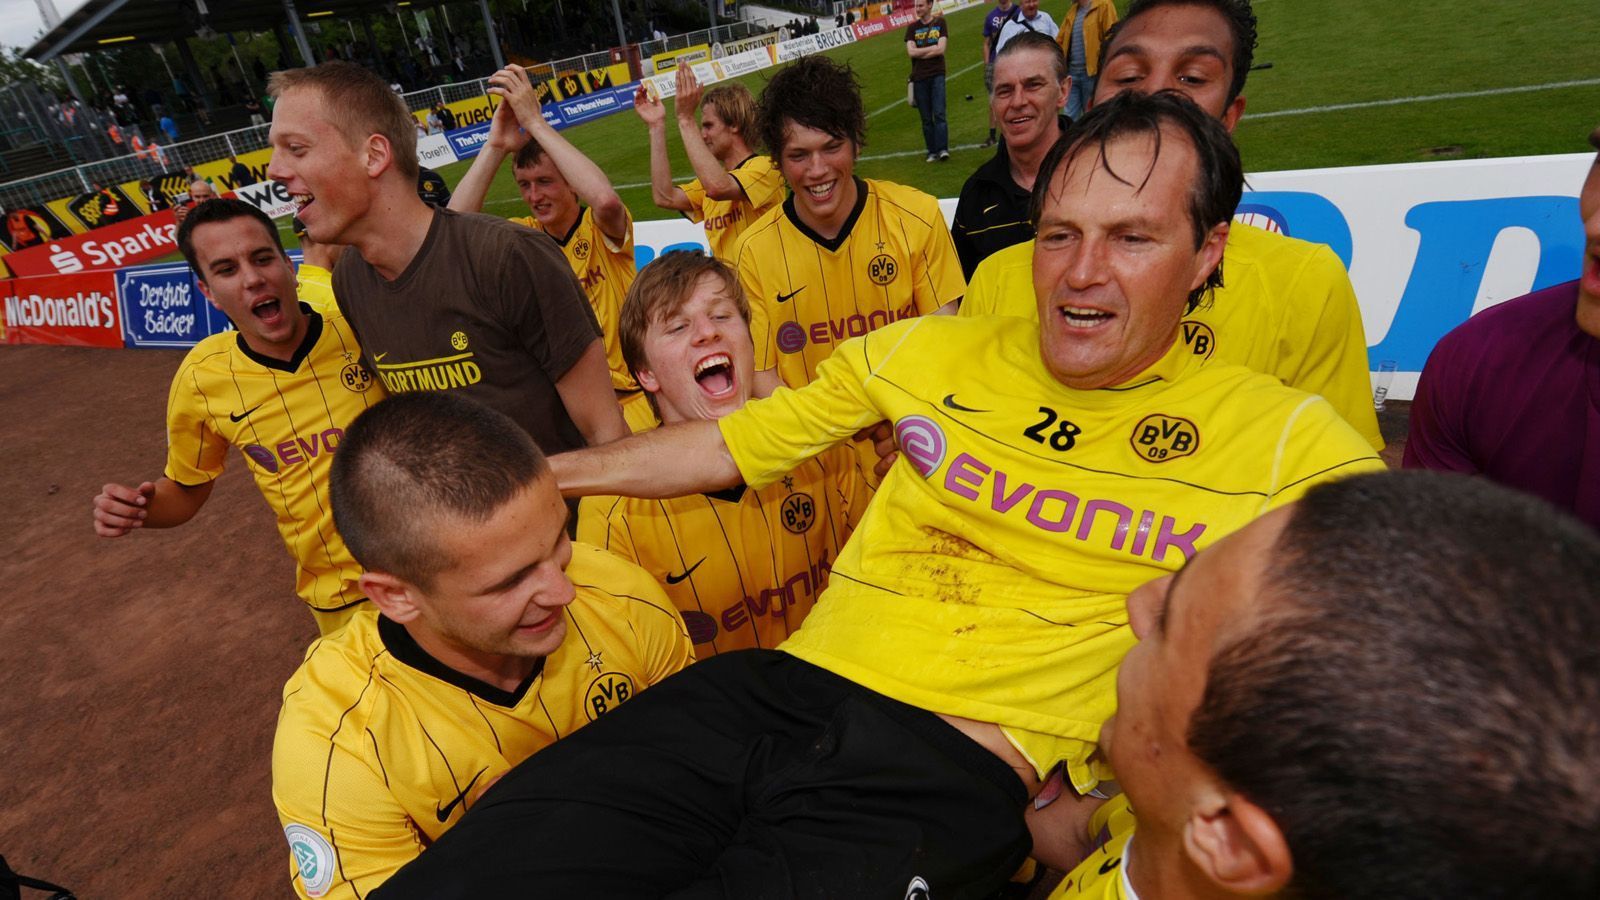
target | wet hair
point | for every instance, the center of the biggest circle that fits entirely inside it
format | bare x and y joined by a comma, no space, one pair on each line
735,106
1416,708
659,291
816,92
1218,182
1033,40
210,212
418,457
360,104
1241,20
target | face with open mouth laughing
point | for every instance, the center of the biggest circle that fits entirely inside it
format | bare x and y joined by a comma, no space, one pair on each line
700,356
313,159
820,169
245,275
1115,260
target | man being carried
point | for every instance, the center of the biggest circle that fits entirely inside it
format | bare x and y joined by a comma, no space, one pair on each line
926,38
573,201
1314,711
1513,393
497,636
1030,84
1286,306
743,566
441,301
967,644
282,388
733,185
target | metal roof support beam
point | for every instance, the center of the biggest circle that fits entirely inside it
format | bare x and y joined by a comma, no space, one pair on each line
494,39
67,39
299,30
622,35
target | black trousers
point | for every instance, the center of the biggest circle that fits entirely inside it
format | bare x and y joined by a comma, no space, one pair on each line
749,775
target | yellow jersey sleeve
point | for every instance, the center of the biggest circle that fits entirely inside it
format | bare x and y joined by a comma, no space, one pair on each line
598,526
314,285
660,642
761,182
1334,361
696,193
751,278
1002,285
937,268
1104,874
196,453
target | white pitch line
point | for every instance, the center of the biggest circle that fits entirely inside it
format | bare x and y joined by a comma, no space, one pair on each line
1398,101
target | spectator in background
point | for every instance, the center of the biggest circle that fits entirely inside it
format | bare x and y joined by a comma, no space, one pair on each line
447,119
239,174
1511,393
200,190
253,107
925,43
154,195
1080,39
169,127
1028,18
992,23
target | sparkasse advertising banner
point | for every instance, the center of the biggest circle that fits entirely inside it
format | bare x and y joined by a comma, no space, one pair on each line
120,244
73,310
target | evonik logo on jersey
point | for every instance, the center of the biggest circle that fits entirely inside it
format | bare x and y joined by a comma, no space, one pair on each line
293,452
773,602
792,336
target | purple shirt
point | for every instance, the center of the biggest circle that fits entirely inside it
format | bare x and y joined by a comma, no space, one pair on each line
1513,393
993,22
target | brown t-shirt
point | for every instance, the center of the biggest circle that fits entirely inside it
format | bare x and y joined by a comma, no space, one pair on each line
926,34
486,307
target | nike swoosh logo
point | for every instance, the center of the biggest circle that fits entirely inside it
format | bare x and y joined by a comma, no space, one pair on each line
985,212
784,298
950,402
444,811
379,358
1110,865
236,418
674,579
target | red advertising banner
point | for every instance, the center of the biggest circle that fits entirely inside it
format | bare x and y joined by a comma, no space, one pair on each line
881,24
119,244
74,310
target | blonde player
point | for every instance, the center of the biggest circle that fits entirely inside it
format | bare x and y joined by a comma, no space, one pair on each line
573,201
733,185
743,566
282,388
494,636
966,647
1286,306
842,256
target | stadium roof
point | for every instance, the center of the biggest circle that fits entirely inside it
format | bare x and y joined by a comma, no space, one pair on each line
106,23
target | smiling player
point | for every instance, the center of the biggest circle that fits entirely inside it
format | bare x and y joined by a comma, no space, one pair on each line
281,388
743,566
497,636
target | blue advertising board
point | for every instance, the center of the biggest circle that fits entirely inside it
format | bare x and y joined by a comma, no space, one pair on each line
163,307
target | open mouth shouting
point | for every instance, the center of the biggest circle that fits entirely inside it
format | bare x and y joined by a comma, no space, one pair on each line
715,375
267,310
1084,317
301,201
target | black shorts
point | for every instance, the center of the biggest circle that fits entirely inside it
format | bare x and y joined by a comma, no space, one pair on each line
749,775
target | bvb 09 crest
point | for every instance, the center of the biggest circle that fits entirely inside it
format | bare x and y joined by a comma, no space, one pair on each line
1160,438
882,269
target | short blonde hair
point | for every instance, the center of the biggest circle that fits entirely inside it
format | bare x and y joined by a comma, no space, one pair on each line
661,289
736,107
362,105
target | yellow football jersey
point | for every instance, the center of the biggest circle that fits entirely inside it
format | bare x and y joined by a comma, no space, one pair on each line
380,748
726,220
743,566
287,419
314,284
893,260
987,578
1286,308
1104,875
606,270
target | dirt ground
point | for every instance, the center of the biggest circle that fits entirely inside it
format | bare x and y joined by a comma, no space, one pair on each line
141,674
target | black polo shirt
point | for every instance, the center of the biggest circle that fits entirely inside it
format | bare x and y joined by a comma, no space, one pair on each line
992,213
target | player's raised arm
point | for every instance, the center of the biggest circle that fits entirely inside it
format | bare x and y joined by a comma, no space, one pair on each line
588,181
670,461
714,179
505,138
663,192
164,503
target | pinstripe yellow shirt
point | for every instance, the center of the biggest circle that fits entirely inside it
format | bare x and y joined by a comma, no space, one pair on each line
380,748
287,419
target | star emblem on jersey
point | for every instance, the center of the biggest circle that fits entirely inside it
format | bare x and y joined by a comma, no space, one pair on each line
443,812
674,579
785,298
459,340
1160,439
882,269
788,482
236,418
594,660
